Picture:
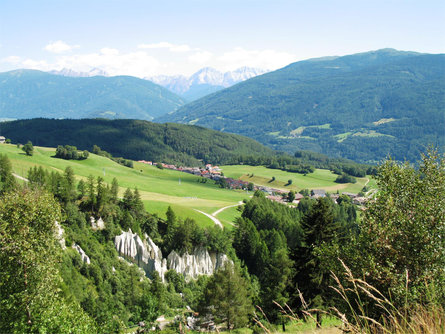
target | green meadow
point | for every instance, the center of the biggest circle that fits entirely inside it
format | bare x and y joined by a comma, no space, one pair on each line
320,179
158,188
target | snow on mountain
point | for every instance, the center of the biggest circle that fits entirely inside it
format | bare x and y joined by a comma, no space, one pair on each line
177,83
206,80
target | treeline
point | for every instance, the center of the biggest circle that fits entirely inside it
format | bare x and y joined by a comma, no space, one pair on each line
305,162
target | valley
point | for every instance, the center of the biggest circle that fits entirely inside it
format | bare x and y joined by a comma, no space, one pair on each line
305,199
161,188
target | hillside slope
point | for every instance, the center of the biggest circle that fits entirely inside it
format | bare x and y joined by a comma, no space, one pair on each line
362,107
135,139
29,94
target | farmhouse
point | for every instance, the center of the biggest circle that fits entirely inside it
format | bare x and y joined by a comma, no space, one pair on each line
316,193
2,140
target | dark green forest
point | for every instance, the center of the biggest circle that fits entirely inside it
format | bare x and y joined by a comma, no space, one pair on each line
136,140
362,107
170,143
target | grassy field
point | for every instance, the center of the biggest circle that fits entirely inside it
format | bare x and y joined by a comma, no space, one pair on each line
320,179
158,188
161,188
228,216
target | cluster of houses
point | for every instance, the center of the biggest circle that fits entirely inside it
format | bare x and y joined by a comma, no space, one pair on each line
209,171
280,196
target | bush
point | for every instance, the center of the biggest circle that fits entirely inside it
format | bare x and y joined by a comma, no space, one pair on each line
345,178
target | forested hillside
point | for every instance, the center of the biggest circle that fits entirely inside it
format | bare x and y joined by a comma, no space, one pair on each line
362,107
64,274
137,140
30,93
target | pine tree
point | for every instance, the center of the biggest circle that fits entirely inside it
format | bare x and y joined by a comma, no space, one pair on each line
226,298
311,278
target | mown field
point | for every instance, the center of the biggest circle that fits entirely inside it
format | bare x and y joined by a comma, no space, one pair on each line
158,188
320,179
162,188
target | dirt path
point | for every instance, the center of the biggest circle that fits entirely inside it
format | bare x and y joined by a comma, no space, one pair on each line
215,220
20,177
226,207
212,216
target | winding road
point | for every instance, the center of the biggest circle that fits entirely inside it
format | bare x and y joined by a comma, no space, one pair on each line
212,216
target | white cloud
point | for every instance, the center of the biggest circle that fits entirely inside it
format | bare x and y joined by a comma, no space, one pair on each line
109,51
166,45
12,60
60,47
201,57
266,59
138,64
156,59
36,64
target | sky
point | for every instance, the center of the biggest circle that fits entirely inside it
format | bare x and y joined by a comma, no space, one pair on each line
145,38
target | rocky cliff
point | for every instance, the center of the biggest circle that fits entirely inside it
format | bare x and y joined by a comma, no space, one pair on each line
200,262
85,258
145,254
148,256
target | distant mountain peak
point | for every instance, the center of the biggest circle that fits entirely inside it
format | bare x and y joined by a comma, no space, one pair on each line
206,80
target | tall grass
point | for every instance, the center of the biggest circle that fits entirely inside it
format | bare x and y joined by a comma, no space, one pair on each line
410,319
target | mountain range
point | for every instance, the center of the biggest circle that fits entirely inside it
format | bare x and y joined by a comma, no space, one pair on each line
362,106
206,81
31,93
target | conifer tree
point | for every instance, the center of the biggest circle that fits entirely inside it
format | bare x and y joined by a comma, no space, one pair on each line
312,279
226,298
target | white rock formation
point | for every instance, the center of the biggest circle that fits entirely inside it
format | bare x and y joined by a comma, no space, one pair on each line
200,262
59,235
82,253
145,254
97,224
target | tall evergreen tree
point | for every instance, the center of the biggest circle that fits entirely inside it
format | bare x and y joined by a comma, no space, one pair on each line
311,278
226,298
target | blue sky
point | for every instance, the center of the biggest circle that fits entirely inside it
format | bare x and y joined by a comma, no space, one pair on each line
145,38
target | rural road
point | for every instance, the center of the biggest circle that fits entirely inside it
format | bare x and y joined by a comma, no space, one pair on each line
226,207
215,220
212,216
